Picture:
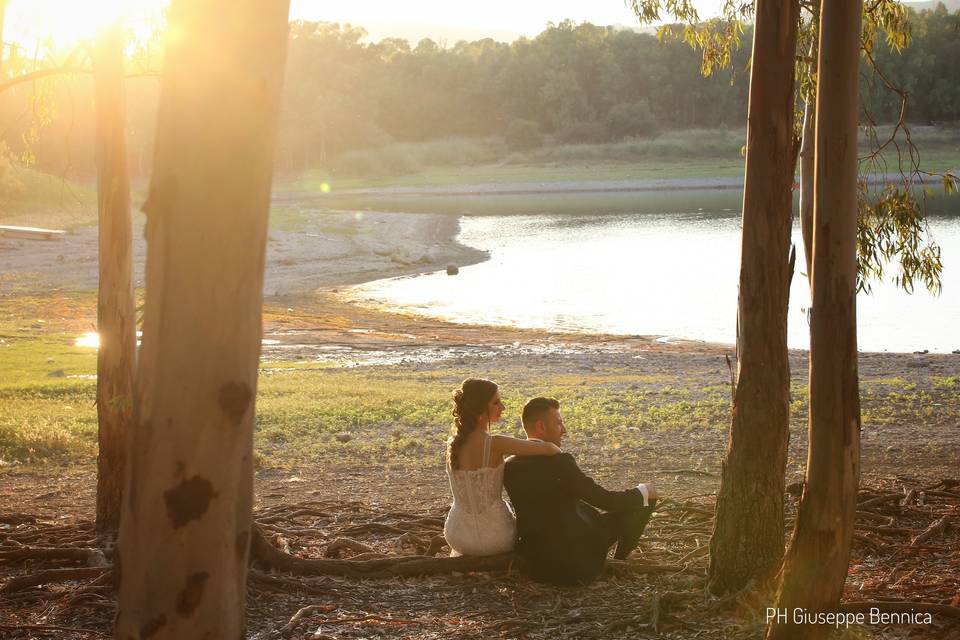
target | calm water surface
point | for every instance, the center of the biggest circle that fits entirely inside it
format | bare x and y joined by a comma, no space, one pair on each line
671,275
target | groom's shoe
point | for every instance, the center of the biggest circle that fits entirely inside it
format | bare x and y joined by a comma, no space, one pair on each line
633,525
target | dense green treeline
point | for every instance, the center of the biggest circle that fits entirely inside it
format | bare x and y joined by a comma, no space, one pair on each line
928,70
481,101
579,83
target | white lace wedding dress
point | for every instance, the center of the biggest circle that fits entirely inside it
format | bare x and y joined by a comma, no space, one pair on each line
480,522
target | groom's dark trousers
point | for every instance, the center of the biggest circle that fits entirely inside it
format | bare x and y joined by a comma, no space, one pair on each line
564,539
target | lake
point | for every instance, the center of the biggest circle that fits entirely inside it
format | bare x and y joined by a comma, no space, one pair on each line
665,274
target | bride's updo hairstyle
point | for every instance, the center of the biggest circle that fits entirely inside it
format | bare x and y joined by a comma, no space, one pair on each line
470,402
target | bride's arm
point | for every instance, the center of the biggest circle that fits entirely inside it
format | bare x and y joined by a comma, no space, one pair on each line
506,446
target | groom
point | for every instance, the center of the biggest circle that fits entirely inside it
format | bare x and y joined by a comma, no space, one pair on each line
562,537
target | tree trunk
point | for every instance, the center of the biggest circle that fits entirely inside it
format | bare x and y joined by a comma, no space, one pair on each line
747,540
116,323
816,564
185,528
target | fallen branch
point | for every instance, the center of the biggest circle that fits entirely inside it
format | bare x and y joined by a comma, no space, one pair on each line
51,627
346,543
876,517
53,575
873,502
291,626
909,498
890,530
92,557
934,529
943,494
279,583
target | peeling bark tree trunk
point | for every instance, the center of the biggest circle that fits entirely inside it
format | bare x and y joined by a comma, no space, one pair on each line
185,528
116,323
747,540
816,564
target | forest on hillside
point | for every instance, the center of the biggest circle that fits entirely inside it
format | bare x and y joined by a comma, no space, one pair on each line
571,84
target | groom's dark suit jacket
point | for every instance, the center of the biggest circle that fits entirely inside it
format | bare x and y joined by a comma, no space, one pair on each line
562,537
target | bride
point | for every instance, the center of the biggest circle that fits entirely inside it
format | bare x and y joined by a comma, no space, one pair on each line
480,523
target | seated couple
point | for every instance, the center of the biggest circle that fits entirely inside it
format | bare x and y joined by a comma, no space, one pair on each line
558,529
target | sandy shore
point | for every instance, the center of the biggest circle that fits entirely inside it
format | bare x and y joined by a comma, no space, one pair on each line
323,250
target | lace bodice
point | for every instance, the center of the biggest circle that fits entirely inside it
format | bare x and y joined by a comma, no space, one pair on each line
480,522
476,490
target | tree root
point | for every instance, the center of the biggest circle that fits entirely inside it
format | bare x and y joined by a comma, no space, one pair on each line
91,557
53,575
346,543
264,553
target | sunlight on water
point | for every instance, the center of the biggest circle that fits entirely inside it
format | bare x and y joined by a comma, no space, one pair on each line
651,274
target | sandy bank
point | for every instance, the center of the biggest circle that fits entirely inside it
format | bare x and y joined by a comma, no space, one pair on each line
324,249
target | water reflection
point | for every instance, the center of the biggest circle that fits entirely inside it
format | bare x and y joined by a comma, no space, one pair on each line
671,274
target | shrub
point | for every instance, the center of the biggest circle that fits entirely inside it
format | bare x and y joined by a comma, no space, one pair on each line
631,119
10,185
584,133
392,160
453,151
522,135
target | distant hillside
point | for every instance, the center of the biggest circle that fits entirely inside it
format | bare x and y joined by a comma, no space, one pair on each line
951,5
441,34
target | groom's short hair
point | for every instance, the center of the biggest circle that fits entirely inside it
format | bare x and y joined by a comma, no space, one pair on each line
537,408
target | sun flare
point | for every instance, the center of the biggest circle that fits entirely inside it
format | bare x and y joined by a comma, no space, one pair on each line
90,339
66,23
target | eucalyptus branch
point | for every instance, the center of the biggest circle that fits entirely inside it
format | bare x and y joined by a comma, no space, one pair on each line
40,74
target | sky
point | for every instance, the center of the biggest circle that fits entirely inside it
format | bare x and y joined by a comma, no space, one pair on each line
68,21
526,17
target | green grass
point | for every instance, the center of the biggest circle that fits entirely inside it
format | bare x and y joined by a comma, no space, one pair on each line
306,411
705,153
548,171
309,412
548,202
46,418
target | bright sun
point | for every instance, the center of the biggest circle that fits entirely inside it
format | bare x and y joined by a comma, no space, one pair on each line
68,22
